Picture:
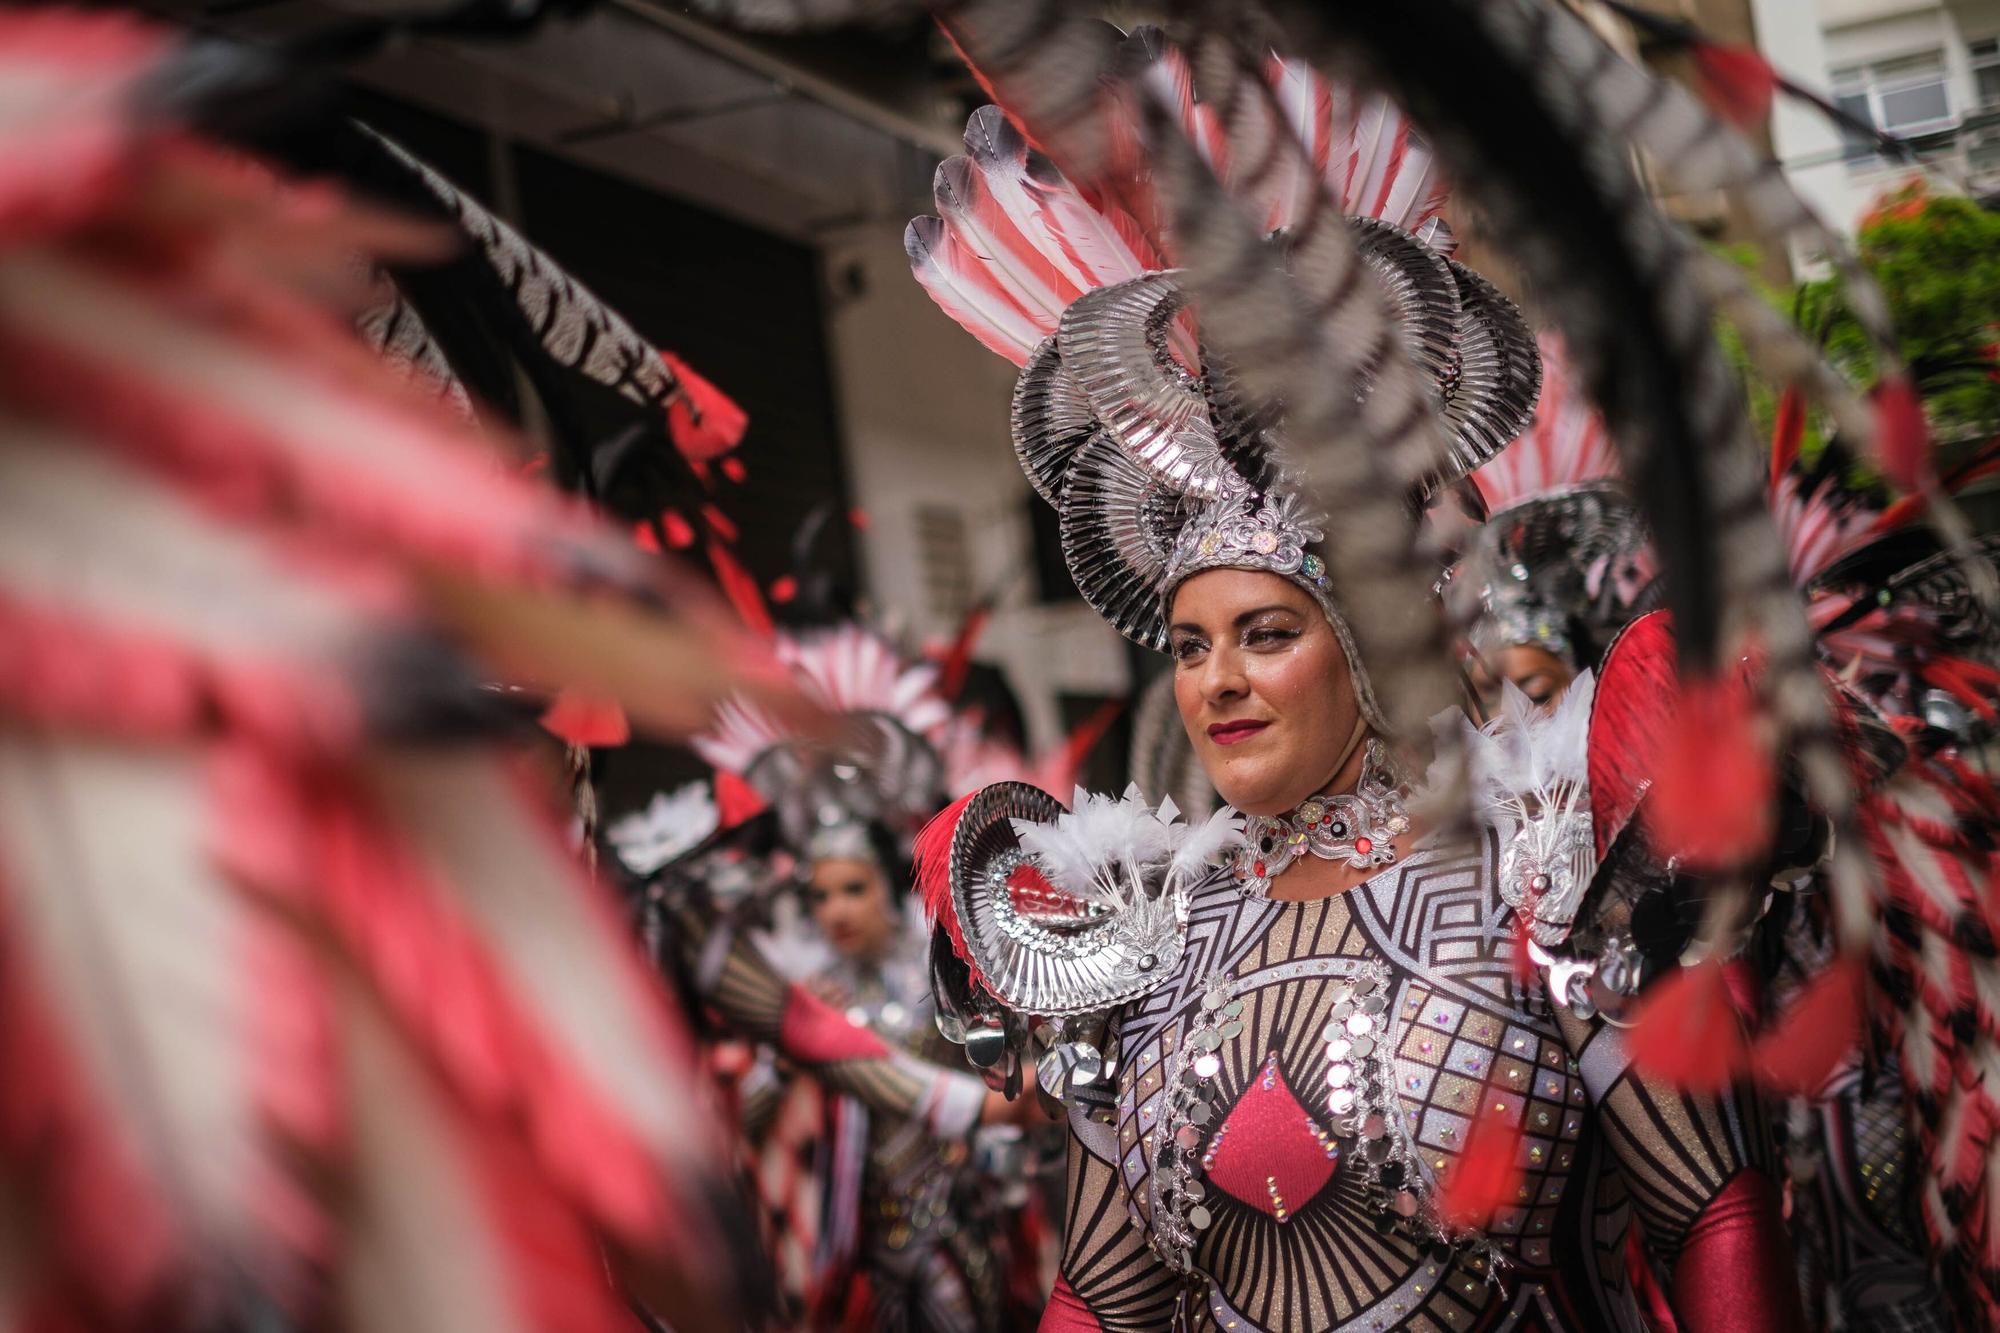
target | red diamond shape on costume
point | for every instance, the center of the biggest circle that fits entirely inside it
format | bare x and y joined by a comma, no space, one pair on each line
1269,1152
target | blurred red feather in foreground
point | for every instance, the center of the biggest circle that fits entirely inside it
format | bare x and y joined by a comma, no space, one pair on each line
1737,81
1486,1177
1818,1029
1687,1031
306,1002
1712,804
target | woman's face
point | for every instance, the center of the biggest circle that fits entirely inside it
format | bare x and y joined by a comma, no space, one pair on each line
1538,673
1263,687
850,905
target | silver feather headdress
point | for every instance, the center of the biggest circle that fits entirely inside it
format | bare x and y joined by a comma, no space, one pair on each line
879,765
1126,423
1563,561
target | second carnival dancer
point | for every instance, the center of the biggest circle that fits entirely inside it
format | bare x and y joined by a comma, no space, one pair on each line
1277,1038
1561,563
1560,568
915,1229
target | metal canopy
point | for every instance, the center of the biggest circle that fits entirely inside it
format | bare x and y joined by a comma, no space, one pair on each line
791,140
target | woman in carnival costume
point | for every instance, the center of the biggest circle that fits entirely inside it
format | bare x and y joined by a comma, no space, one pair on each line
911,1228
1561,563
1310,1084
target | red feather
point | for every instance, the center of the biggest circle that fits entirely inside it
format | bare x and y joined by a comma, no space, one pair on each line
931,857
583,719
1487,1176
719,523
1903,437
1523,960
1738,82
735,800
1822,1025
1712,804
704,421
741,589
679,534
1059,772
958,660
1628,717
1687,1032
1788,433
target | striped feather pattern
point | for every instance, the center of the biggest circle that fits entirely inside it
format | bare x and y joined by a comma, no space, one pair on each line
1306,342
1930,829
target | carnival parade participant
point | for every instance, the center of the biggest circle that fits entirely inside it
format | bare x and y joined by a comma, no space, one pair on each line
1561,563
1291,1036
915,1226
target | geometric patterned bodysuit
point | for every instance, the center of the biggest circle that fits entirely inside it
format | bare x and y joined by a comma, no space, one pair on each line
1291,1242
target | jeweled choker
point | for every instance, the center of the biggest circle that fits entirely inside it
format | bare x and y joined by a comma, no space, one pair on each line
1357,828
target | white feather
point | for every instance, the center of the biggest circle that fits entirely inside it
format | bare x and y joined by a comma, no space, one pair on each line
671,824
1201,845
1104,849
141,952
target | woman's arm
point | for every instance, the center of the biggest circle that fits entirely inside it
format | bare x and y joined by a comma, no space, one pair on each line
734,978
1110,1280
1703,1181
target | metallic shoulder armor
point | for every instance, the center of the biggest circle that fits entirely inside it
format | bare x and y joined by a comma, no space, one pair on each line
1047,919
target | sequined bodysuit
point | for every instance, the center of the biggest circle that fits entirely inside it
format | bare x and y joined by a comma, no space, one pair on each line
1295,1239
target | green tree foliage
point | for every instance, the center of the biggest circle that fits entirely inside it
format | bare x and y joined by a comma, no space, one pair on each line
1937,260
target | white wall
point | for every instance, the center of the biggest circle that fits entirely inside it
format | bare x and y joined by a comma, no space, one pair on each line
1808,39
1790,34
924,415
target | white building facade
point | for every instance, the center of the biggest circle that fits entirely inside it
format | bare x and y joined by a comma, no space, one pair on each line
1926,71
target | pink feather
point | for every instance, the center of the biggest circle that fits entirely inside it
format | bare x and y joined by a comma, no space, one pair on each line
980,223
1305,101
1376,168
964,287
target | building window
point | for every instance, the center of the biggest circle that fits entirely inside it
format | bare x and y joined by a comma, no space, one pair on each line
946,558
1986,71
1903,97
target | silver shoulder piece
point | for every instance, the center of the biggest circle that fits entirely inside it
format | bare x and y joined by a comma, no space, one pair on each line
1059,917
1530,778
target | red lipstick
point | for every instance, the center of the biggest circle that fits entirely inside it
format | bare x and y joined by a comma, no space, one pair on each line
1229,733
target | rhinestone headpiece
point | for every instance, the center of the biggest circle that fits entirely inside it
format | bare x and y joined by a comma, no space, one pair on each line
1272,532
1158,464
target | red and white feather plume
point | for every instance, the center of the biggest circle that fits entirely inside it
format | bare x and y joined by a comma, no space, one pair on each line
1013,242
305,1003
841,671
